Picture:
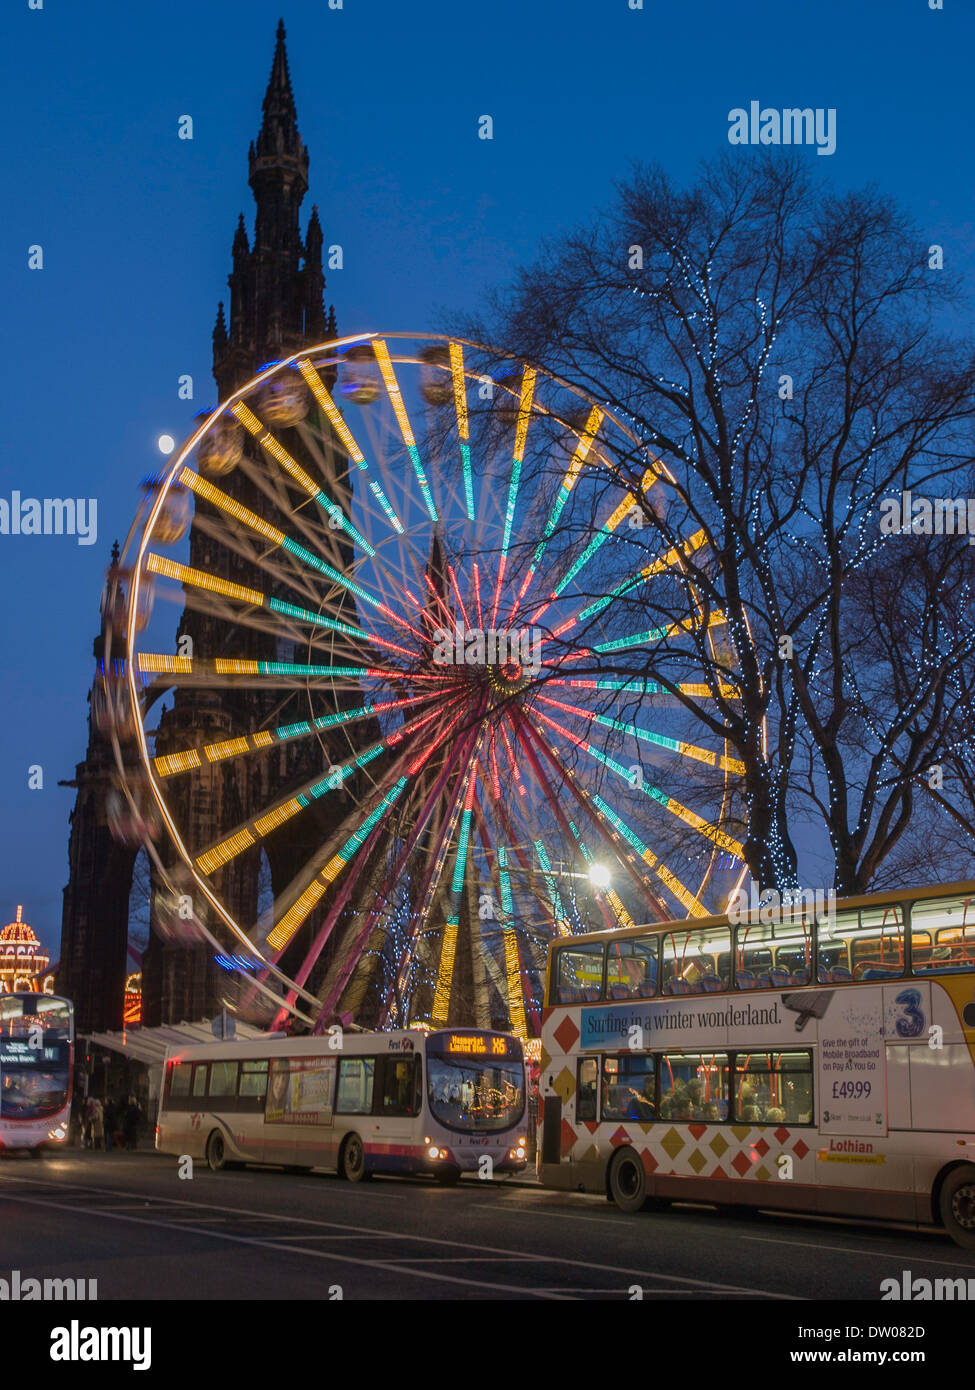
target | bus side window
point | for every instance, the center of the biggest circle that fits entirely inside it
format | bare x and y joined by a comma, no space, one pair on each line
253,1079
200,1070
179,1079
356,1076
223,1079
586,1089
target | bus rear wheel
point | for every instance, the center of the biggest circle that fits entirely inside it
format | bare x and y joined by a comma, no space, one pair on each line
354,1160
627,1180
957,1203
216,1152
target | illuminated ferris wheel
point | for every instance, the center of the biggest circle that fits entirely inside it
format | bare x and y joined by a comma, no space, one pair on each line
417,597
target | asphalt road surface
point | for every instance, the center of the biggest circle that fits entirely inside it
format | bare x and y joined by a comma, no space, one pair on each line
130,1222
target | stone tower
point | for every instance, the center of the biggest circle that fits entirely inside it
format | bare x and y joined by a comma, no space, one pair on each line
275,307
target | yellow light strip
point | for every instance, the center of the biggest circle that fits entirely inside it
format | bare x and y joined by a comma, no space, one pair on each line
278,816
524,412
516,998
199,579
393,391
448,951
295,915
230,748
460,389
582,449
213,495
262,739
623,917
247,418
157,661
228,849
268,442
331,410
177,762
674,554
225,666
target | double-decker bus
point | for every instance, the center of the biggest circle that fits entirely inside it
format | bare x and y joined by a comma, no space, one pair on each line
36,1053
777,1061
358,1103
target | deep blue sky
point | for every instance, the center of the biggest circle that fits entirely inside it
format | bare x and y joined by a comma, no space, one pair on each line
136,225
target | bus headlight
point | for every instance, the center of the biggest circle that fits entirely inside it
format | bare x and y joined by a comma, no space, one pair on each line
58,1133
433,1151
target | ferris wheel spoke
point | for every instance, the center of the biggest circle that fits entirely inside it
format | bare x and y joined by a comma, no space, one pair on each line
171,764
675,745
583,446
499,868
607,529
669,803
249,832
517,463
673,557
448,948
459,380
660,634
637,685
347,440
388,373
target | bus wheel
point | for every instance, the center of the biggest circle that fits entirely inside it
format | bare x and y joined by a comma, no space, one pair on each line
354,1160
216,1152
627,1180
958,1206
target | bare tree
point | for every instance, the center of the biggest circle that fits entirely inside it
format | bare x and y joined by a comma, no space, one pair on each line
783,353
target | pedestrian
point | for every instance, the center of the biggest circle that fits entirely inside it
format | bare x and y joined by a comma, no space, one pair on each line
97,1123
86,1136
111,1120
130,1123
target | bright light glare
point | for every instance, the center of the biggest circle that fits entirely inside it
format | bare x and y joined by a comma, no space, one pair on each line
599,875
166,443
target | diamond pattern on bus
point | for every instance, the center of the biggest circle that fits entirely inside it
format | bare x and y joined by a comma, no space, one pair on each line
741,1163
719,1145
761,1147
762,1173
719,1172
697,1130
781,1134
568,1137
650,1164
566,1035
672,1143
697,1161
618,1137
800,1148
741,1132
565,1084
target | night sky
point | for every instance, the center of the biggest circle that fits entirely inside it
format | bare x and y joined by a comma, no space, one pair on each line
136,226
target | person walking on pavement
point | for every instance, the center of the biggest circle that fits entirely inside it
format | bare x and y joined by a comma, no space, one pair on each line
97,1119
130,1123
111,1120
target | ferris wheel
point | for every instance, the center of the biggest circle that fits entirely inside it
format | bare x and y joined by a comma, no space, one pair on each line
412,613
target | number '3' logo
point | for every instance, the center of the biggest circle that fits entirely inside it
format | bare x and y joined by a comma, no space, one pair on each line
911,1023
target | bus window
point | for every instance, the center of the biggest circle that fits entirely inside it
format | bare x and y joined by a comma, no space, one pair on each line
355,1086
398,1085
253,1078
586,1089
943,936
694,1086
773,955
629,1088
223,1079
877,950
631,969
578,973
773,1088
179,1079
833,947
690,960
200,1078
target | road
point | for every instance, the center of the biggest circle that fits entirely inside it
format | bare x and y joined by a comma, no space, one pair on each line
130,1222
